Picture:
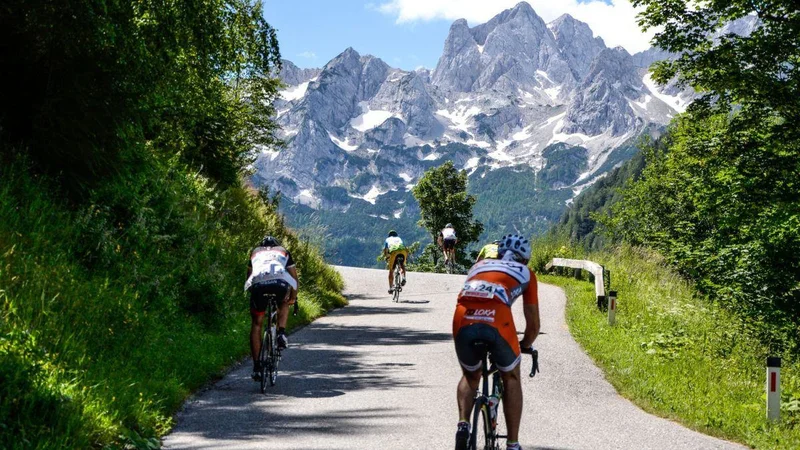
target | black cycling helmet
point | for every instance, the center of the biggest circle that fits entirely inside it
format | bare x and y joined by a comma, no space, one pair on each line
392,233
449,225
269,241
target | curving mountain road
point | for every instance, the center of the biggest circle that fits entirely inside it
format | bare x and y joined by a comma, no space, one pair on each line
378,374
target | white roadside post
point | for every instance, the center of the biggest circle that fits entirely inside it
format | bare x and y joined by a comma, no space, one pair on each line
612,307
773,388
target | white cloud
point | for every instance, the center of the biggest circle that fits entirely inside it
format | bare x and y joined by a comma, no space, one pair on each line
308,55
615,23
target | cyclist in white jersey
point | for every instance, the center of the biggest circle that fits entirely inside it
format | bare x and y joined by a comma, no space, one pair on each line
271,270
447,241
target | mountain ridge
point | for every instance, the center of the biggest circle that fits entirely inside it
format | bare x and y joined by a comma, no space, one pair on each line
503,95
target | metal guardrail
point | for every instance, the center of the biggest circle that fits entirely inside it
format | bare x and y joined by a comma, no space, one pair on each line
600,278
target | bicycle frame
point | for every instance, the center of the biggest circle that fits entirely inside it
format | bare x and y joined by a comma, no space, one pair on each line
482,406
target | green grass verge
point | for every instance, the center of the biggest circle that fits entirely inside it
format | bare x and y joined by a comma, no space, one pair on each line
113,311
677,355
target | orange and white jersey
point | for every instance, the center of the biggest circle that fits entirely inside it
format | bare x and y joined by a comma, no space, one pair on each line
500,280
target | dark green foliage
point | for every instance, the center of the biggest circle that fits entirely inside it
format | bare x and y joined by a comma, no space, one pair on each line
442,197
579,221
509,200
125,130
564,164
719,196
334,195
91,86
112,313
719,200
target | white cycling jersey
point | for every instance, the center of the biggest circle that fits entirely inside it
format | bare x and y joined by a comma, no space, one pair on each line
393,243
449,233
270,263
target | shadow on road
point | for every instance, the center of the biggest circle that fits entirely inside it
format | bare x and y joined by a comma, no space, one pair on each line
415,302
324,361
356,335
254,422
352,310
378,296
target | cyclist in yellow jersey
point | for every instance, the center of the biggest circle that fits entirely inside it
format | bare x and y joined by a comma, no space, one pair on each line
395,252
489,251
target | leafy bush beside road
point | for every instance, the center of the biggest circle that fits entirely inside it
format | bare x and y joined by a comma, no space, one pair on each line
108,323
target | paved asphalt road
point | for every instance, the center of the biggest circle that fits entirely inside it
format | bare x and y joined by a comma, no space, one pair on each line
382,375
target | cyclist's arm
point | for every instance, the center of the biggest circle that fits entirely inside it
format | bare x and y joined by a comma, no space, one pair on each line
532,324
530,307
293,272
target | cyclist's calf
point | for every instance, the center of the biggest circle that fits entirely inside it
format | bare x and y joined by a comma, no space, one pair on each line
512,402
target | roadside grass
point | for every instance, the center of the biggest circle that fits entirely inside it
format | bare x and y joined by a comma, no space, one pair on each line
114,311
675,354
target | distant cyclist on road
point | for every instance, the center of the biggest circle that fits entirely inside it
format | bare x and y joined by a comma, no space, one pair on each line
447,242
395,252
271,270
483,313
489,251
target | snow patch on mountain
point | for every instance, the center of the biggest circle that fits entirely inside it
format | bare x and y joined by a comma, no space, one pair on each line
342,144
296,92
370,119
673,101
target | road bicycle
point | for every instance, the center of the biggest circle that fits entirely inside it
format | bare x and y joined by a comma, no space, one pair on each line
450,266
270,356
484,433
397,285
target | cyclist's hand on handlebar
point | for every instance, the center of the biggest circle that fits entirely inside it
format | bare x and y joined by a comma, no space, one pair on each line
534,357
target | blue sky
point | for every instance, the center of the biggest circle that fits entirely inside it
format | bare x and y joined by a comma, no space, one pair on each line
411,33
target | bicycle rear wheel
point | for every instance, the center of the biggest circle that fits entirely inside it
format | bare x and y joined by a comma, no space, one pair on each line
275,358
396,286
265,358
483,434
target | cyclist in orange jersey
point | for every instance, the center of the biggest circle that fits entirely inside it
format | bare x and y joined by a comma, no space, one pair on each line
483,313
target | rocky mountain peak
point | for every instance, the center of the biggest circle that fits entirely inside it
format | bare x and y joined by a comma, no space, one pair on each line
359,132
577,44
512,51
602,103
293,75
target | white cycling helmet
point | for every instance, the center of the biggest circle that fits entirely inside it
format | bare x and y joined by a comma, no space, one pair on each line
517,244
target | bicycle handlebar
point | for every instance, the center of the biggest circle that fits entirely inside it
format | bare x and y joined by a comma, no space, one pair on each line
534,359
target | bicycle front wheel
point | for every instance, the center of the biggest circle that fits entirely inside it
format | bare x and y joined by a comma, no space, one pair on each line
483,431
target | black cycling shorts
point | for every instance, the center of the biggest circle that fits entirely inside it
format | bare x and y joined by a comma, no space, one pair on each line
449,244
262,293
399,260
502,353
